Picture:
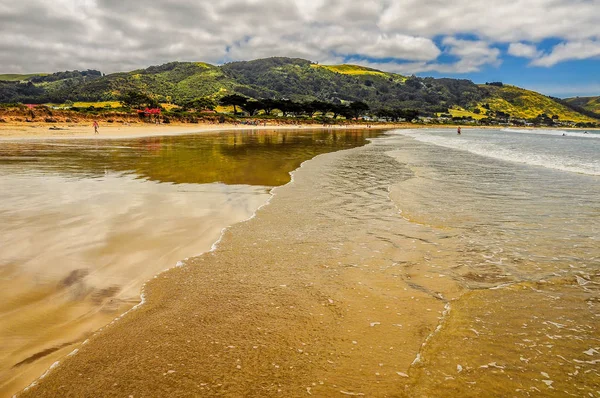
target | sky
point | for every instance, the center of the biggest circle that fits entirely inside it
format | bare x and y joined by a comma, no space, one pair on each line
551,46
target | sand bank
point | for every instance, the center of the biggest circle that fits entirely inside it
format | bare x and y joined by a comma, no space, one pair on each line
21,131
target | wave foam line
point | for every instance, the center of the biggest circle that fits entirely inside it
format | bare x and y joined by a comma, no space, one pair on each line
555,133
493,150
445,314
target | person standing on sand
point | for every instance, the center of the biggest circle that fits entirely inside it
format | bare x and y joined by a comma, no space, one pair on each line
96,125
458,130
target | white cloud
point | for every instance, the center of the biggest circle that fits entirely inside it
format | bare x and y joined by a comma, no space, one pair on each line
495,20
523,50
113,35
471,55
569,51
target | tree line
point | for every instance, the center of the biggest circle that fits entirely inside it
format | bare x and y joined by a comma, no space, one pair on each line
285,107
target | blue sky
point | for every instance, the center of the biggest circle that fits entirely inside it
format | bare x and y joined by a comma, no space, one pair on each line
551,46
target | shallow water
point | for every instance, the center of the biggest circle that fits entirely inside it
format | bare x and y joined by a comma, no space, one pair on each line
402,268
84,224
521,209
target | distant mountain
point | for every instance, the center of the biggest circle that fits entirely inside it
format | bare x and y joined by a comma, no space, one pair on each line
591,104
526,104
287,78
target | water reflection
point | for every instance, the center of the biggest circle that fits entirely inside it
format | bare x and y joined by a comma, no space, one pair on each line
260,157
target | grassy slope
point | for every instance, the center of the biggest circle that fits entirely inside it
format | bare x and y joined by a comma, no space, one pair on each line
592,104
347,69
527,104
301,80
177,80
12,77
461,112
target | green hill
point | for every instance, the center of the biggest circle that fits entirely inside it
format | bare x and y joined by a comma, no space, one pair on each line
591,104
288,78
525,104
12,77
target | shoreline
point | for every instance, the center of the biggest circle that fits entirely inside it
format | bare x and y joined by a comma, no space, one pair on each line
42,131
181,263
28,132
283,315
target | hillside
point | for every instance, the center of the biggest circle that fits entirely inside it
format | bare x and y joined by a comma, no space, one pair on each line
288,78
13,77
591,104
275,78
525,104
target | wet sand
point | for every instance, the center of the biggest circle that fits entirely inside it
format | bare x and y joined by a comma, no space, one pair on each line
85,224
81,250
329,299
347,297
36,131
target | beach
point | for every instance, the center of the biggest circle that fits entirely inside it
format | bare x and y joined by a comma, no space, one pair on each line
84,223
284,305
381,287
41,130
357,278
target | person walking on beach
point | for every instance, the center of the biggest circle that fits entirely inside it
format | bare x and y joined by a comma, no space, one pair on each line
96,125
458,130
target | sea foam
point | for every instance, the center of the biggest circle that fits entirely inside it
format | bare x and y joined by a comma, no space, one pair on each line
490,144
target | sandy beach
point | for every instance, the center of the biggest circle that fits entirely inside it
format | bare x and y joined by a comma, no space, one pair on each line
292,302
360,279
119,230
38,131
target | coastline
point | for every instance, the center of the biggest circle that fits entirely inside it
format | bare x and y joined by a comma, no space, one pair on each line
336,304
142,297
59,331
41,131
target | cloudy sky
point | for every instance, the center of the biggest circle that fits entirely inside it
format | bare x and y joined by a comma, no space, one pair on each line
552,46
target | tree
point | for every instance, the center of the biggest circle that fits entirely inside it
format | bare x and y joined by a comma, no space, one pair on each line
358,108
340,110
269,104
136,99
289,107
253,106
235,100
316,106
200,104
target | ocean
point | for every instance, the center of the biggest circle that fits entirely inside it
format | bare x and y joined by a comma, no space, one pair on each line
517,219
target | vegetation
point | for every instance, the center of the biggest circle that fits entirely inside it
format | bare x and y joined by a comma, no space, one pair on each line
294,87
12,77
524,104
346,69
590,104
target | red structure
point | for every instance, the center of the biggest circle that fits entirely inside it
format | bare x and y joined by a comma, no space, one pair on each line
150,111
